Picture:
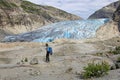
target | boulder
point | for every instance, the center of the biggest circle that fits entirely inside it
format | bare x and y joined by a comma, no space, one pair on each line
34,61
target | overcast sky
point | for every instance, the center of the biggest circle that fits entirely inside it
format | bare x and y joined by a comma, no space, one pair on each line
82,8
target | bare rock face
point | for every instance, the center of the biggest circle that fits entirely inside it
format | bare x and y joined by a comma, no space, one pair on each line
112,28
105,12
18,16
116,17
108,30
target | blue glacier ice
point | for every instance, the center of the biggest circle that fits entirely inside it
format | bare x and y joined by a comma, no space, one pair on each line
77,29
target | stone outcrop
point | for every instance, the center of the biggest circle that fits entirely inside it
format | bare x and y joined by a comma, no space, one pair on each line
105,12
108,30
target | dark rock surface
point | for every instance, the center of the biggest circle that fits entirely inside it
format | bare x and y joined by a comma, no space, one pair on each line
105,12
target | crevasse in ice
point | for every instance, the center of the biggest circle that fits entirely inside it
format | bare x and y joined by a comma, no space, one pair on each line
77,29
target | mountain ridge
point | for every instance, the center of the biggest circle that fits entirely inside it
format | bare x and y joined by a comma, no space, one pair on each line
105,12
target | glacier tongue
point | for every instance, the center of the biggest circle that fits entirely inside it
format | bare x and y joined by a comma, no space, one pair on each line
78,29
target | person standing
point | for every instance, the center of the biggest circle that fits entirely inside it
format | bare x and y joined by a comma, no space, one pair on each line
48,52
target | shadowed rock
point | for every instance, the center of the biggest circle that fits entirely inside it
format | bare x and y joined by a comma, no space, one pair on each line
105,12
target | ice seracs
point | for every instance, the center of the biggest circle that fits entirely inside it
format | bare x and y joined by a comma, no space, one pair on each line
77,29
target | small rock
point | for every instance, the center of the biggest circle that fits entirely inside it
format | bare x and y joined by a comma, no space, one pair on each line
34,61
117,65
34,73
113,67
69,70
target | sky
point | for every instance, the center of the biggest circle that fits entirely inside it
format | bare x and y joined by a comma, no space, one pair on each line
82,8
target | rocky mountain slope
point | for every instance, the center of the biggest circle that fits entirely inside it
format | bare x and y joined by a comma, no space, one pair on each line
112,28
105,12
18,16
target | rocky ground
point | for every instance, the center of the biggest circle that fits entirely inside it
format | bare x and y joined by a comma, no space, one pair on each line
67,61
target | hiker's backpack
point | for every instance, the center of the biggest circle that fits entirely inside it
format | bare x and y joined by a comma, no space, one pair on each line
49,49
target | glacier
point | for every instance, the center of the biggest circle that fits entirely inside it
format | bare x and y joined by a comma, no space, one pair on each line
76,29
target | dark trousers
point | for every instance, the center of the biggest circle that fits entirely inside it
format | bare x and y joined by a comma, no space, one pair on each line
47,57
